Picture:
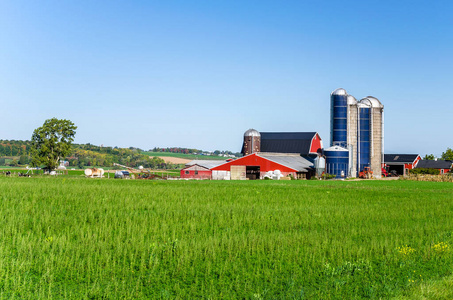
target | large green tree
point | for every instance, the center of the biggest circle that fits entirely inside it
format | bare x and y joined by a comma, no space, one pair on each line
448,154
52,141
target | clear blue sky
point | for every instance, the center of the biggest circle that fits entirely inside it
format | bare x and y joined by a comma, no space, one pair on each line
199,73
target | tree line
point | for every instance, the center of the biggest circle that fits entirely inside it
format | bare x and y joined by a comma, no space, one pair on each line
447,155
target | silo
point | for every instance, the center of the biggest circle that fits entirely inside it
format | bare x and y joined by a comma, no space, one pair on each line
376,135
352,135
364,136
337,161
320,165
338,117
252,142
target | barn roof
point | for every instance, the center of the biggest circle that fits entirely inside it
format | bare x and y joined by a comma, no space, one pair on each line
287,142
294,161
196,167
434,164
209,164
400,158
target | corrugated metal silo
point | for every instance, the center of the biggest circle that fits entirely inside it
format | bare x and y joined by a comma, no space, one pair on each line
337,161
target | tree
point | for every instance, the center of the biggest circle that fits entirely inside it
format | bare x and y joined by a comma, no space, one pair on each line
429,157
23,160
448,154
52,141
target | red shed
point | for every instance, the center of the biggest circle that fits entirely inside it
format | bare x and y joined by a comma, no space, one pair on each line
196,172
199,169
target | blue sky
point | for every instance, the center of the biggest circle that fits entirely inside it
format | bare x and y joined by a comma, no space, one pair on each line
198,74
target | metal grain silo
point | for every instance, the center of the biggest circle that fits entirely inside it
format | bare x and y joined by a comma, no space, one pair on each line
252,142
337,161
338,117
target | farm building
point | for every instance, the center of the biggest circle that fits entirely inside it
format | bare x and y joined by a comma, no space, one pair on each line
260,165
444,166
199,169
302,143
401,163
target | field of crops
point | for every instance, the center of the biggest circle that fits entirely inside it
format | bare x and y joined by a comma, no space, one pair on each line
97,238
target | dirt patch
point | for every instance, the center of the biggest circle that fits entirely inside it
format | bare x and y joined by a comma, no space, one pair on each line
174,160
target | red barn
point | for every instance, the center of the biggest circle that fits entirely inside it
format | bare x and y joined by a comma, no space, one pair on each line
260,165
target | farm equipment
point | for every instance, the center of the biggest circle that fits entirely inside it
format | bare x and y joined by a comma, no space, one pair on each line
393,173
140,173
387,173
366,173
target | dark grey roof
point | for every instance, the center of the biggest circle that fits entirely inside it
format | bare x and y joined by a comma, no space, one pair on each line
434,164
209,164
287,142
400,158
294,161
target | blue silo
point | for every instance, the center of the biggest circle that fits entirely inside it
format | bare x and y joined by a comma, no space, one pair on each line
339,117
337,161
364,137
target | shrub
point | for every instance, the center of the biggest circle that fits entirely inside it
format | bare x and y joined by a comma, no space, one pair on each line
424,171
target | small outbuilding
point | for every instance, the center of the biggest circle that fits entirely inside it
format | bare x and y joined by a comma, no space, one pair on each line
401,163
444,166
200,169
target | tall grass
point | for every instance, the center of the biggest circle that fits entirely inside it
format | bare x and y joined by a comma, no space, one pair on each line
82,238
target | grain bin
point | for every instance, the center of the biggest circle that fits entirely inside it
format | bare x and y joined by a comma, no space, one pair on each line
320,165
337,161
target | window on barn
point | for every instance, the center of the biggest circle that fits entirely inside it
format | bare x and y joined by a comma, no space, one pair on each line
187,172
196,172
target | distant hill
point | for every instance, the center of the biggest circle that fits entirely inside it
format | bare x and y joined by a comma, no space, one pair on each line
17,152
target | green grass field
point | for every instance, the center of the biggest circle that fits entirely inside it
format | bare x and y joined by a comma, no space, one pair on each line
106,239
186,156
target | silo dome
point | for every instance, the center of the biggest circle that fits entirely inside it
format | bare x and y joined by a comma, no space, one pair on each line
351,100
339,92
366,103
374,102
252,132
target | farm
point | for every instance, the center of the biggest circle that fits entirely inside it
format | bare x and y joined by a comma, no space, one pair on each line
78,238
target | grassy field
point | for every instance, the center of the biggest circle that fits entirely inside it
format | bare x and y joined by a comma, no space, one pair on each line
186,156
105,239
